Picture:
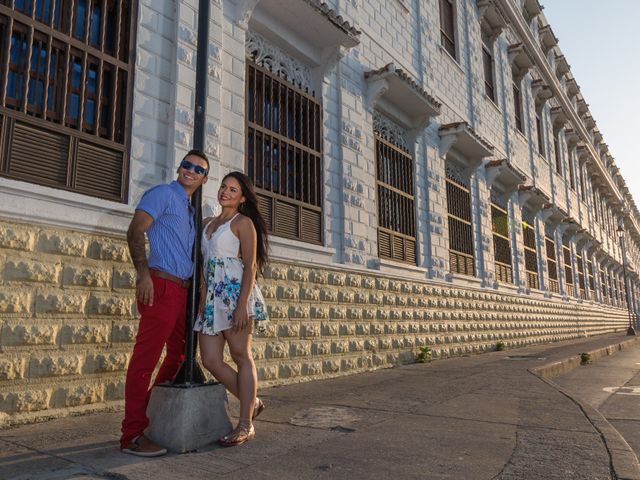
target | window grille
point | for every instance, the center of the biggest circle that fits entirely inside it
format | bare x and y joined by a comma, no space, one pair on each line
540,133
501,242
460,228
603,283
572,174
596,208
396,208
284,154
612,293
517,106
623,292
530,254
592,287
488,66
447,27
613,289
568,270
556,147
581,277
67,70
583,193
552,264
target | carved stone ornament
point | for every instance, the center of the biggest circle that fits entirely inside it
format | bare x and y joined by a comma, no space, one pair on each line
389,130
455,173
275,60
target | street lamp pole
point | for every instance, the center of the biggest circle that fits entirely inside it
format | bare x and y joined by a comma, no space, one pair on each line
620,231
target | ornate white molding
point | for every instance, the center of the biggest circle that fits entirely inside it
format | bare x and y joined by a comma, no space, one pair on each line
272,58
389,130
456,174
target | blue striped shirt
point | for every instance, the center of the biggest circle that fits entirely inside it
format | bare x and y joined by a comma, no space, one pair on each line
172,233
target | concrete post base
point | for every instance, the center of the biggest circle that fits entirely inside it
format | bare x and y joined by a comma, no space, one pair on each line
186,418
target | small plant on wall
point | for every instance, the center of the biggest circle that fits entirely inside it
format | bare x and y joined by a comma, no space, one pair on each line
585,358
424,355
500,346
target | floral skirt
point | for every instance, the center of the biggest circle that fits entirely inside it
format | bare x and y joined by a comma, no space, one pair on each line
223,277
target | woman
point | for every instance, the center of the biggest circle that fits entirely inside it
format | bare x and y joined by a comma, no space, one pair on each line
234,247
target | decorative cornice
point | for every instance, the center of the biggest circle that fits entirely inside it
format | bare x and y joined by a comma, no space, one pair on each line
562,66
540,91
547,38
571,137
490,12
520,57
406,78
399,89
558,117
532,197
466,140
331,15
504,172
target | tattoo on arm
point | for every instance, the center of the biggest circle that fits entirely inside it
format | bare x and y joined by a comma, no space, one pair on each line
136,243
136,240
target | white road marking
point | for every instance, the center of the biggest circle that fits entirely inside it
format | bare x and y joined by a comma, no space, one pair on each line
631,390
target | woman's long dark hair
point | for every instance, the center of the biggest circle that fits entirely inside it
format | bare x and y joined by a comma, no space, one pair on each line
250,209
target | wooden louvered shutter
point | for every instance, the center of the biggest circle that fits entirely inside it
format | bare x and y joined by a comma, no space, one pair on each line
37,155
99,170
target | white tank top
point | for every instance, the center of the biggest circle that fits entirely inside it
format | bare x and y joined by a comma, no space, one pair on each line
223,243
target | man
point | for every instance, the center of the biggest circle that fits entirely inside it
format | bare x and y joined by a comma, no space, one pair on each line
166,216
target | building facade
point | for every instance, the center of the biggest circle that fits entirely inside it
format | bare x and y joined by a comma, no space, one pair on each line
429,170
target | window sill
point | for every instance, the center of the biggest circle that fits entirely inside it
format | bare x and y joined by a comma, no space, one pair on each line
391,267
467,280
448,55
542,157
520,134
492,103
288,249
27,202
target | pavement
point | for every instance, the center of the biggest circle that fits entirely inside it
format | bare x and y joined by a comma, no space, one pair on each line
611,386
492,416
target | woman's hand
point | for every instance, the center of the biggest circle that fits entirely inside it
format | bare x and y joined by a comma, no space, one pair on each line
240,319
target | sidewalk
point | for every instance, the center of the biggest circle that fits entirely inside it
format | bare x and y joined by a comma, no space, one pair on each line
478,417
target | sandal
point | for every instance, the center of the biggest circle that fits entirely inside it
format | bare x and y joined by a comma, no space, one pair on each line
238,436
258,408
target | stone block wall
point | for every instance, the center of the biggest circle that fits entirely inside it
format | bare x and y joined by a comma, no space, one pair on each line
68,322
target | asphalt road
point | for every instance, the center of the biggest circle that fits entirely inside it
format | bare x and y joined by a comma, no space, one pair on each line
612,386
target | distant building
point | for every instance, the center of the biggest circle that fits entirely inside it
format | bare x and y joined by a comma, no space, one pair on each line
429,169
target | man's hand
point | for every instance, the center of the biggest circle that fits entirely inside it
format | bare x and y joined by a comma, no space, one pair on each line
144,289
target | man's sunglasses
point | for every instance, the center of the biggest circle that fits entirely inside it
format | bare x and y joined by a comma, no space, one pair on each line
187,165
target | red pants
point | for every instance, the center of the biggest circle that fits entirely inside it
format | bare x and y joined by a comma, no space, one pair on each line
160,324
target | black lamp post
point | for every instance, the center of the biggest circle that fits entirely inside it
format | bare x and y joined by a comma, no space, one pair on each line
620,232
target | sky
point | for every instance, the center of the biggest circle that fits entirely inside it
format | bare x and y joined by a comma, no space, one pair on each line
601,41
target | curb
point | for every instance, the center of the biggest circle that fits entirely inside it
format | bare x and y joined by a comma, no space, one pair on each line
624,462
561,367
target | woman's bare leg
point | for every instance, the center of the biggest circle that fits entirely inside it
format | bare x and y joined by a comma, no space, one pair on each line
247,381
212,355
